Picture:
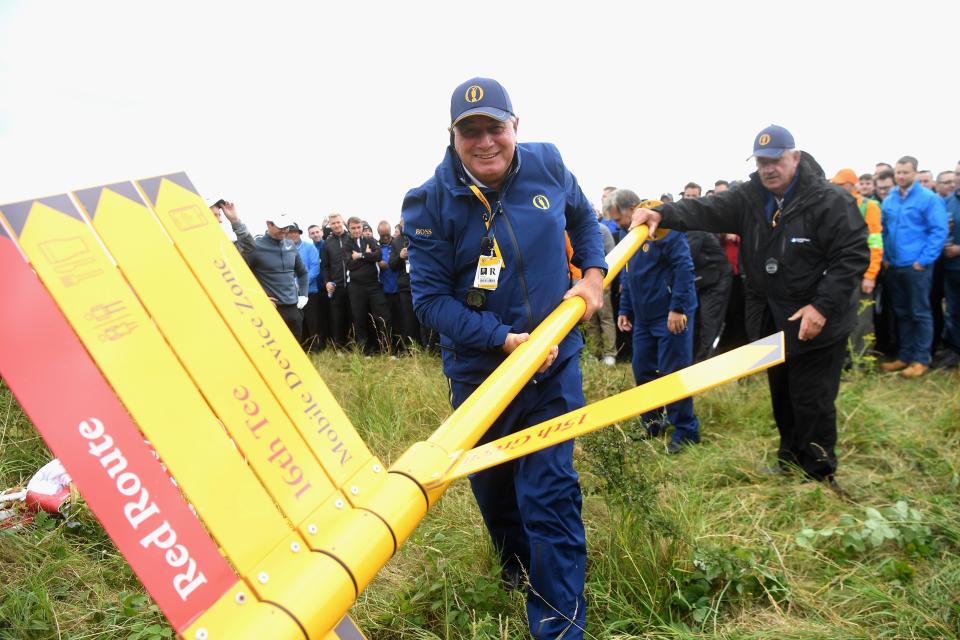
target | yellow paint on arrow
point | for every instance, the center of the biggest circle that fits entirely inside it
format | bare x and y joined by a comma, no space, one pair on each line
259,329
738,363
209,352
138,364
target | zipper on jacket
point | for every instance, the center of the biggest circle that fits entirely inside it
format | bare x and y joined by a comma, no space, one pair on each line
523,281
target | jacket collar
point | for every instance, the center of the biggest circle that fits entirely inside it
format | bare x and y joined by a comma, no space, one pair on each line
453,176
910,190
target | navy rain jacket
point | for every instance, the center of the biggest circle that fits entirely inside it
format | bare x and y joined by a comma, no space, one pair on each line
443,219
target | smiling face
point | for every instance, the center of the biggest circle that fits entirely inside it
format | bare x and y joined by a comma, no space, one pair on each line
316,233
777,173
486,147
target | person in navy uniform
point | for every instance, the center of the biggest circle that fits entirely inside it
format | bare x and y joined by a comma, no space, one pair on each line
487,264
658,303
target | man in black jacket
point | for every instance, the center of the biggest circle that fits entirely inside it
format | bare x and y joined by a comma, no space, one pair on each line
803,251
363,288
333,261
713,279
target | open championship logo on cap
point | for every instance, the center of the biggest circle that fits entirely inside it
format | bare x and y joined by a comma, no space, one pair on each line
764,140
474,93
540,202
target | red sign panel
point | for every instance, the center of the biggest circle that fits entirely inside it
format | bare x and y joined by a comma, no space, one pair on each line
84,424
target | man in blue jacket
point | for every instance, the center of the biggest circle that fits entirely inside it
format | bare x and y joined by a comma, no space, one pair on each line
487,265
310,338
658,303
914,230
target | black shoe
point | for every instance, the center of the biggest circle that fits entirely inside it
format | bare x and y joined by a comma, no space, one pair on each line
945,359
674,447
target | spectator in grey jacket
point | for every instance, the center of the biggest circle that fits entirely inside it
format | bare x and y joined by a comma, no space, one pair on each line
276,263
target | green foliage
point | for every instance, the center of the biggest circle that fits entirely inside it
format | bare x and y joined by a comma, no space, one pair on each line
898,523
726,575
697,545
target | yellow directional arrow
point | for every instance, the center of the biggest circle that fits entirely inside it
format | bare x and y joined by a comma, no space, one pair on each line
746,360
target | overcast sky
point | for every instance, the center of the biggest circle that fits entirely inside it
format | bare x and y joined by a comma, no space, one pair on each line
307,108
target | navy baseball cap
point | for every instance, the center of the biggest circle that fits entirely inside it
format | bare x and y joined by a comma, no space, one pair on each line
772,142
480,96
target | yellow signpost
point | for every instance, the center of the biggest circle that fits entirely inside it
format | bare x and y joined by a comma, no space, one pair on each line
301,508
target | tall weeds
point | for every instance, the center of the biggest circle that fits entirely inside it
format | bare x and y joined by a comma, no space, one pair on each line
698,545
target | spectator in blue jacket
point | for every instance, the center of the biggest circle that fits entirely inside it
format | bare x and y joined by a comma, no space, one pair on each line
914,230
309,338
658,302
951,271
495,204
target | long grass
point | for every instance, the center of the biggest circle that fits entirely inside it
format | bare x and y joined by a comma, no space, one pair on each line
698,545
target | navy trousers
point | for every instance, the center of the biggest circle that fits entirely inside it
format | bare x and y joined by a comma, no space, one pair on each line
910,294
531,506
657,352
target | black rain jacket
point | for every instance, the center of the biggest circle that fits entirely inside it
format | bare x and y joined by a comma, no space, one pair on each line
815,255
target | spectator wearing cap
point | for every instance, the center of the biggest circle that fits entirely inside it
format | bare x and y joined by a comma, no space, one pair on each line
368,306
277,265
494,203
951,280
847,180
914,230
310,336
804,252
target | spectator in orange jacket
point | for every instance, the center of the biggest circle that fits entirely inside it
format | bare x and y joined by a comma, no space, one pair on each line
870,210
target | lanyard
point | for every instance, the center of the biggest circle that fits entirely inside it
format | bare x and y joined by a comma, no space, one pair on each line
487,220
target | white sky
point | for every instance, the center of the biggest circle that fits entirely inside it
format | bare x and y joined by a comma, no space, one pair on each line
308,108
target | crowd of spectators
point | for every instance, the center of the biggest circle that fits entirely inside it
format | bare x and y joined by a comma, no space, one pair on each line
338,287
358,282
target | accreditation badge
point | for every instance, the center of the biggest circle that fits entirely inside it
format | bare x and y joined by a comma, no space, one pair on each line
488,272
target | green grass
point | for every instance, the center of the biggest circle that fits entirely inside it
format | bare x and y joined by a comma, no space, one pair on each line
698,545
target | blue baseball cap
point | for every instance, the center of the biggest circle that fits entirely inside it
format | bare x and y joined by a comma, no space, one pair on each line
772,142
480,96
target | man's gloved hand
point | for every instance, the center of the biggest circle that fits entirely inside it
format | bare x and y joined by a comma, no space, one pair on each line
302,301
